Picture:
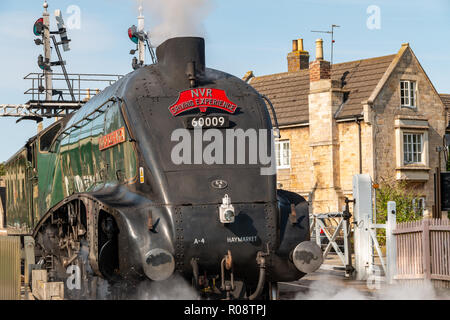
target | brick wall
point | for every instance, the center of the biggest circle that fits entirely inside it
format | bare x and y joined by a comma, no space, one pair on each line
298,60
319,69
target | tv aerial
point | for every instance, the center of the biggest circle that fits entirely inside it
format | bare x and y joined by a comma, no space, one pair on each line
333,26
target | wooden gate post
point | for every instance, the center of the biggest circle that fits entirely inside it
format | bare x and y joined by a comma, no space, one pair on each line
426,249
391,244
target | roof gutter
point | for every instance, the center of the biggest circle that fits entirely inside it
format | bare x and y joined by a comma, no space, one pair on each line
358,122
306,124
296,125
351,119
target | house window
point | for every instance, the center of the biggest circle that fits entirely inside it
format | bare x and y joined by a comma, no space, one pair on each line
283,154
408,94
412,148
418,206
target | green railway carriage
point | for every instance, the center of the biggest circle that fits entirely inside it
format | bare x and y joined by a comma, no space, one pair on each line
19,191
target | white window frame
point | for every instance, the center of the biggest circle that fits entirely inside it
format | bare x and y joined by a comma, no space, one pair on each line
402,127
411,146
280,146
408,93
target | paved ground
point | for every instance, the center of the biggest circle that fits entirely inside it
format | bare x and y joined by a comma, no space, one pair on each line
325,284
329,282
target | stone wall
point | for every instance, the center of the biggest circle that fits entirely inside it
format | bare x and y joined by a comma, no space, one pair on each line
348,155
387,111
298,177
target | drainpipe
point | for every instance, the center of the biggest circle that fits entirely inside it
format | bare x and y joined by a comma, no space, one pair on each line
358,122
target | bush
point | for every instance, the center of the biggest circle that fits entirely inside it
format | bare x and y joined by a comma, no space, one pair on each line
403,195
2,169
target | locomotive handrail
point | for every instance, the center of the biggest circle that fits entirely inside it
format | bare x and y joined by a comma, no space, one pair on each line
277,131
96,110
132,139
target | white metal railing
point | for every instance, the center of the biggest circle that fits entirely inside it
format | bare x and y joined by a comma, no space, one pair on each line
317,224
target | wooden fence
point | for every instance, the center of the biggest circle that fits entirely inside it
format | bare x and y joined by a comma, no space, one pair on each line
10,254
423,251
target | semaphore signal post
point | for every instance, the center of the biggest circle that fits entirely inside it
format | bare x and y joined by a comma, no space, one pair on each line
54,95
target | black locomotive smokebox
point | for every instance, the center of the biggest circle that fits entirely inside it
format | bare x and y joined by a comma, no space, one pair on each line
175,54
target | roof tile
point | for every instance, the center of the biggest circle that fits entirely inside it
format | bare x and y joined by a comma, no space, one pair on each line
289,91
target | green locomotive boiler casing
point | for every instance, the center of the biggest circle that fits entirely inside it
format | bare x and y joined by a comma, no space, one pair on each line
63,160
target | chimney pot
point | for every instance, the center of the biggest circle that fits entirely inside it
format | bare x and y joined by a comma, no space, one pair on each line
319,49
294,45
300,44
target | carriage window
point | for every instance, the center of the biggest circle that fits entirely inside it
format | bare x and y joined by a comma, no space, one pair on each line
45,142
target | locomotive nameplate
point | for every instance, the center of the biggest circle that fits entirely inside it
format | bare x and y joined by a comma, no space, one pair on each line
203,99
207,122
112,139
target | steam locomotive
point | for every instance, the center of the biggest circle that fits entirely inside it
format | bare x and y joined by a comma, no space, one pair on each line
117,189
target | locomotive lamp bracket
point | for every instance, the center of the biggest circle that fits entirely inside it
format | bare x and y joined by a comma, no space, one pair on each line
226,210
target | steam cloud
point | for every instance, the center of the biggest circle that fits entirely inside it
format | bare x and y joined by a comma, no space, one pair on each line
175,18
175,288
324,289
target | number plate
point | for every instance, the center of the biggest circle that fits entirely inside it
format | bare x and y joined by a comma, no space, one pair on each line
207,122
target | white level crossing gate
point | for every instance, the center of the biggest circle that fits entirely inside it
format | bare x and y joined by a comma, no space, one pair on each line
342,228
365,230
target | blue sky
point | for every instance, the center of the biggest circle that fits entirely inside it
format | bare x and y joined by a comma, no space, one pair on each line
240,36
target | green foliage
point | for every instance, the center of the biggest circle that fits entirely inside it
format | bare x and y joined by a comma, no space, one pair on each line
403,196
2,169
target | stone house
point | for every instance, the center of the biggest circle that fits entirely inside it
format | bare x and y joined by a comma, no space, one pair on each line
381,116
446,100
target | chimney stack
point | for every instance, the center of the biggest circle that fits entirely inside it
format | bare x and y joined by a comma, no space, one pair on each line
319,69
298,59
